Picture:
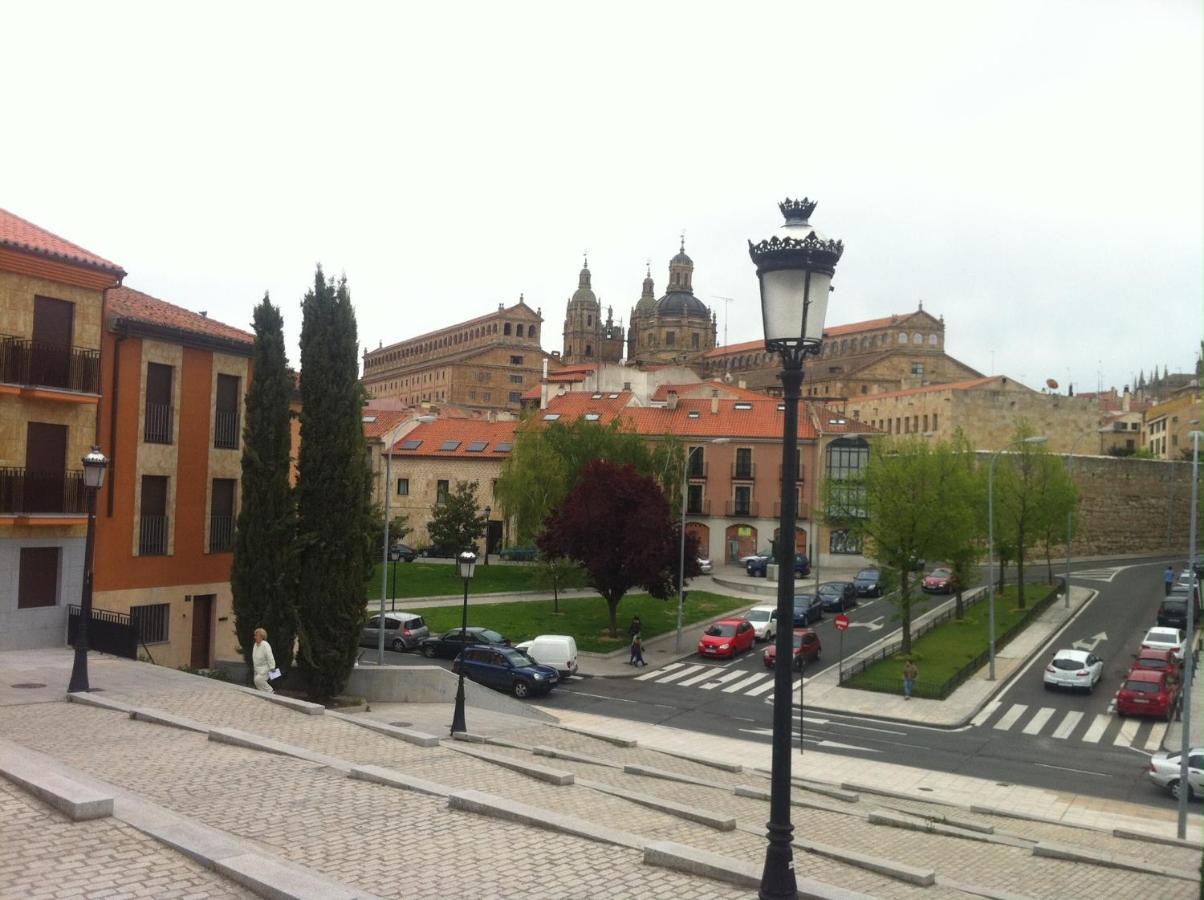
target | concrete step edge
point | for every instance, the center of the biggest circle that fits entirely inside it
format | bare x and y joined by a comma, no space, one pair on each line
1053,850
171,720
1135,835
396,779
76,801
910,822
701,760
250,741
88,699
597,735
409,735
469,737
532,770
819,787
524,814
570,756
651,772
301,706
680,810
946,820
898,795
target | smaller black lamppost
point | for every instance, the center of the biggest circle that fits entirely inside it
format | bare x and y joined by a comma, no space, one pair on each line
466,562
94,476
488,513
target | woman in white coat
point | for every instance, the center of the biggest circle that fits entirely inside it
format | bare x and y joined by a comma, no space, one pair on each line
262,661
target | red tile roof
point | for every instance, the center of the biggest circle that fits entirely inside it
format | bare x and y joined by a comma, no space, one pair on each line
18,234
383,420
467,432
135,306
704,388
832,331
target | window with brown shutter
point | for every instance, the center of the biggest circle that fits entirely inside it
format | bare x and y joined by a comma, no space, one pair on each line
38,583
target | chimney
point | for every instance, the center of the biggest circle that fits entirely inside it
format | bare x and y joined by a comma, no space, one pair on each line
742,384
714,403
1125,400
672,399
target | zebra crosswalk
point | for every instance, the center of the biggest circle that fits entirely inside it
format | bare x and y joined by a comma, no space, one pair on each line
712,678
1067,725
1102,573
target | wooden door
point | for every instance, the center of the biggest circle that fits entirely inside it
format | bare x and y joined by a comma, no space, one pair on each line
202,630
45,467
53,322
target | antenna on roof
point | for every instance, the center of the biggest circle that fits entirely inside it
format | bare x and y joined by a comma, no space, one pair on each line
726,301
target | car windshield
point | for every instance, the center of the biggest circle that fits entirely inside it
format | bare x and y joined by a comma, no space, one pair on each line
517,658
492,636
867,574
802,601
1068,664
798,640
1142,687
940,573
1162,636
722,629
758,615
1175,604
1146,663
831,588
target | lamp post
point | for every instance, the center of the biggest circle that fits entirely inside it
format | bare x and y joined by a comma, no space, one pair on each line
681,572
488,513
384,569
466,562
1033,439
95,463
795,272
1189,662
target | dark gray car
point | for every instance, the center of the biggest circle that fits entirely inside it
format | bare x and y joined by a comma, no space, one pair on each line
403,631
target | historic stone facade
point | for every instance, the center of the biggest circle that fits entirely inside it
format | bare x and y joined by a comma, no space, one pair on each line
587,339
1167,428
677,328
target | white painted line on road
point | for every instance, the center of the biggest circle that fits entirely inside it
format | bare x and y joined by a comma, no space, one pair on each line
1038,721
760,689
747,682
1127,732
1154,741
694,679
1068,769
1097,729
1068,725
1010,717
835,745
987,712
656,673
680,673
722,679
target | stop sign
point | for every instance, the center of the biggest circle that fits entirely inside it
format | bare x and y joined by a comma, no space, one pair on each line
842,621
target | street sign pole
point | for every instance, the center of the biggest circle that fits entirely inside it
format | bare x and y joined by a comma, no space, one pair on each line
842,624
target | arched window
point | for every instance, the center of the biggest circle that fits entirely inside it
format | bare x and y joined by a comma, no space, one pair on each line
506,328
902,337
917,338
589,321
933,340
589,349
518,330
531,331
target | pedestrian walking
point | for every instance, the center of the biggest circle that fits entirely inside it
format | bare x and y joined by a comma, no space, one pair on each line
1168,579
637,651
263,663
635,627
910,674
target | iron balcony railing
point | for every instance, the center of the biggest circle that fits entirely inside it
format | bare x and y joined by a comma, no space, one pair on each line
742,507
152,536
39,364
744,471
698,507
24,492
225,429
802,511
221,534
157,429
697,469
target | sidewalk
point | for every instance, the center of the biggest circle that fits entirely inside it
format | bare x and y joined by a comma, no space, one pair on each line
1172,742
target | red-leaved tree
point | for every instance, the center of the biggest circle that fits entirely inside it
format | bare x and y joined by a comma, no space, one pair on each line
618,525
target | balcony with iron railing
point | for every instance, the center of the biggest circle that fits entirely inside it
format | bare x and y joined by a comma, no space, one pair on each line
802,511
39,364
152,536
744,471
221,534
157,426
741,507
698,507
225,429
23,492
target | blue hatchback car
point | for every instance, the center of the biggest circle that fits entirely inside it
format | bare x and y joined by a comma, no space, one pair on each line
758,566
808,608
868,583
506,669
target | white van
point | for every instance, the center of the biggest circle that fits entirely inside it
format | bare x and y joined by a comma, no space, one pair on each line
556,650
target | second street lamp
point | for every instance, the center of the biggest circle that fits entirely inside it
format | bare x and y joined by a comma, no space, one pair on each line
466,562
795,271
94,476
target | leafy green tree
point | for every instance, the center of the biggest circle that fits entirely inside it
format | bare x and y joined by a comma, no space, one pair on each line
263,575
333,489
1059,499
456,523
557,574
616,523
964,531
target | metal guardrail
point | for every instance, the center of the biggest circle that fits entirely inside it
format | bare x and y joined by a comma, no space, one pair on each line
39,364
26,492
108,632
152,536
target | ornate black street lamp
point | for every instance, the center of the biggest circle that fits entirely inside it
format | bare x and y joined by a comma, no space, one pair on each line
795,269
466,562
488,513
94,476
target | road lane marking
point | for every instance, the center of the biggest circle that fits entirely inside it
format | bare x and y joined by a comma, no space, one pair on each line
656,673
1068,725
680,673
1010,717
1157,733
722,679
760,689
1068,769
1097,729
1127,732
752,679
1038,721
987,712
694,679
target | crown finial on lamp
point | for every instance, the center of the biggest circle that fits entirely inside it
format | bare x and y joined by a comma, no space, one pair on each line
797,210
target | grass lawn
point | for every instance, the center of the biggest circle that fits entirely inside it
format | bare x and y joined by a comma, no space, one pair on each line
419,579
943,651
585,618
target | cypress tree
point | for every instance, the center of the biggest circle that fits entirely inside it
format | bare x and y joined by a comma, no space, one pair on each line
263,579
333,484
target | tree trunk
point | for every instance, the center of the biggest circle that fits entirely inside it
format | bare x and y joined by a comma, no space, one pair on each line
555,595
612,607
905,612
1020,569
959,608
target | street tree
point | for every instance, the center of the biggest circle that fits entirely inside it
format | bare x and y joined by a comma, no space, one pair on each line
456,522
335,521
617,524
1059,499
556,574
263,574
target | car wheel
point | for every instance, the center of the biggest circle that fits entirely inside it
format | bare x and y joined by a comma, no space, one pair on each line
428,652
398,644
521,689
1173,788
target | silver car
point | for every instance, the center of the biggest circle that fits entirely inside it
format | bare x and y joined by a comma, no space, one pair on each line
1164,771
403,631
705,566
1074,669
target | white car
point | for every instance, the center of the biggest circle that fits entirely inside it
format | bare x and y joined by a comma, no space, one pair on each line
1164,771
1075,669
705,566
1165,639
764,621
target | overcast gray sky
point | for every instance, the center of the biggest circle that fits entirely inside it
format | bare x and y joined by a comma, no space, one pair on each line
1030,170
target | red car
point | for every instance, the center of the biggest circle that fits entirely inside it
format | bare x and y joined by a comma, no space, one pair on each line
1157,660
806,648
1147,692
940,580
727,637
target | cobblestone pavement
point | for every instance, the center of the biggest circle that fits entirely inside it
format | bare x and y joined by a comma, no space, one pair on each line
43,854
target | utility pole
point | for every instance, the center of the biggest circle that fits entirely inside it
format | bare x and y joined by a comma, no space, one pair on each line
726,301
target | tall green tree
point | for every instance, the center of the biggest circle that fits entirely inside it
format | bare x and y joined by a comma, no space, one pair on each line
456,522
333,484
1021,512
263,576
1059,498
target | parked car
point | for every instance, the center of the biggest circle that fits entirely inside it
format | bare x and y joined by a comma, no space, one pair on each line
705,566
808,608
450,643
727,637
1165,639
519,554
403,631
1146,692
1159,660
868,582
506,669
759,566
764,621
1164,771
1172,612
806,649
940,580
556,650
837,596
403,553
1074,669
765,553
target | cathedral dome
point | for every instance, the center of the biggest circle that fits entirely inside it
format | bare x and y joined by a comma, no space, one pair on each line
681,303
584,295
647,304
